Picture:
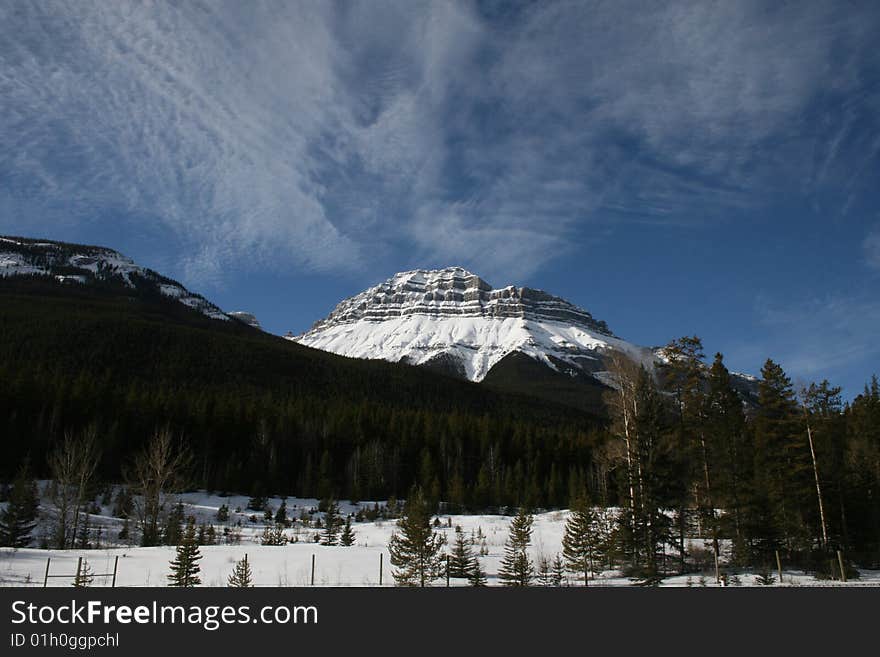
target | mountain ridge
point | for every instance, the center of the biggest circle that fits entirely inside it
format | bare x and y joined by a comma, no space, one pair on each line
69,263
454,317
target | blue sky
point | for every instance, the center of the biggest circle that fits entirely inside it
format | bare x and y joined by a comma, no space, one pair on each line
675,168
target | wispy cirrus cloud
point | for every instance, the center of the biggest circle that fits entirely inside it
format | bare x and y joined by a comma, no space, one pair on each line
327,136
824,336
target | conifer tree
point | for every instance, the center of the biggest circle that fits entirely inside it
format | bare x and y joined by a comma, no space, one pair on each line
725,421
415,549
185,566
461,560
782,468
347,537
241,576
281,514
658,463
477,576
173,529
331,524
85,532
579,541
18,519
84,576
123,504
125,532
517,568
545,571
558,576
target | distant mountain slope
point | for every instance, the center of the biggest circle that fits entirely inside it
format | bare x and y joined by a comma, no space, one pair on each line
515,339
78,264
258,411
453,318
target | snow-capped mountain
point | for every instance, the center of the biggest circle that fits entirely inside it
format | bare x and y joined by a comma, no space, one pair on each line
248,318
81,265
453,318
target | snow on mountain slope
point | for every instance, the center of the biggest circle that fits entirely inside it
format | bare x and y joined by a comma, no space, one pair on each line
247,318
423,316
74,263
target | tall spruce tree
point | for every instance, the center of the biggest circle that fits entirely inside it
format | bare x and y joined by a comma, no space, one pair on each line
477,576
782,467
347,537
682,375
726,422
461,559
645,532
18,519
860,480
516,567
185,566
331,524
579,544
416,549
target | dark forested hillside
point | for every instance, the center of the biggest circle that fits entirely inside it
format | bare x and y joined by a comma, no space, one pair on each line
260,412
793,474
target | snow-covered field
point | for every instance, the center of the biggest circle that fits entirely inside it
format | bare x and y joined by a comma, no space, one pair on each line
290,564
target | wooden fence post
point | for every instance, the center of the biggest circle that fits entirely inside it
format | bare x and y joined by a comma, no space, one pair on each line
46,576
313,570
381,561
842,569
115,567
779,566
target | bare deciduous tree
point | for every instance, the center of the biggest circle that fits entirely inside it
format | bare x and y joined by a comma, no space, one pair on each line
621,400
160,468
72,465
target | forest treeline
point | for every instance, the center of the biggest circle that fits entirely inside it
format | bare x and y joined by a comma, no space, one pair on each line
679,453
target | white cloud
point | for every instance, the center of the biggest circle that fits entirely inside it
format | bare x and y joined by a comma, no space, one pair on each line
333,136
825,336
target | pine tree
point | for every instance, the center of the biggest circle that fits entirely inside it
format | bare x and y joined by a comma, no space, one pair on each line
281,514
579,541
516,566
85,533
558,576
125,532
783,472
477,576
185,566
123,504
18,519
415,550
173,529
725,421
84,576
545,571
241,576
461,560
331,524
223,513
659,465
347,537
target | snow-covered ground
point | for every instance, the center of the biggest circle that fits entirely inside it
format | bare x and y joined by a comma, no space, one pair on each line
290,564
